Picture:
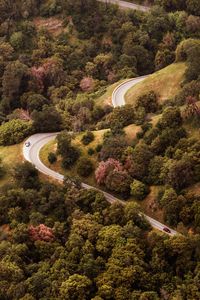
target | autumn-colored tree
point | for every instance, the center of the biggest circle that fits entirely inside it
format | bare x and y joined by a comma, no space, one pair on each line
41,233
105,167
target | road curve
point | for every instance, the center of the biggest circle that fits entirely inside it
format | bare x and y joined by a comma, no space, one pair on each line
127,5
118,95
37,141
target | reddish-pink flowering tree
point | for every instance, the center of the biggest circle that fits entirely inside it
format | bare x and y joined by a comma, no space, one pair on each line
39,76
87,84
41,233
49,73
105,167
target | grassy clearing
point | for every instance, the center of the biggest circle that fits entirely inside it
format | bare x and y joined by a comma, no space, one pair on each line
51,147
131,132
166,83
10,155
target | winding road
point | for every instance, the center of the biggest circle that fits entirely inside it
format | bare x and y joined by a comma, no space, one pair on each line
37,141
127,5
118,95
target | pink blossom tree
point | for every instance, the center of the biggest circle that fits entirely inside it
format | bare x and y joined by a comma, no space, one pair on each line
41,233
105,167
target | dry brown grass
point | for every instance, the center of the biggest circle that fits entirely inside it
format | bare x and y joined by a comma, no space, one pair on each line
131,132
166,83
52,24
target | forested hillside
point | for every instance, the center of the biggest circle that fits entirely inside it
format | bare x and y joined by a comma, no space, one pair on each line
60,60
69,243
56,53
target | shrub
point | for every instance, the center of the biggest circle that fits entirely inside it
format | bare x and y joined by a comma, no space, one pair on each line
148,101
71,158
84,167
14,132
119,181
139,190
26,176
2,169
171,117
122,116
184,47
69,153
98,148
140,135
52,157
91,151
87,138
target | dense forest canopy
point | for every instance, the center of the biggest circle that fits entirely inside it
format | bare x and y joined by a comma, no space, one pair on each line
57,58
97,45
69,243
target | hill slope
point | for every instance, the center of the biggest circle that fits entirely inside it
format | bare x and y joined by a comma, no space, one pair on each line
166,83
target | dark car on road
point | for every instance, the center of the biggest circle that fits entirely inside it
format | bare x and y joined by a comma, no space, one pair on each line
166,230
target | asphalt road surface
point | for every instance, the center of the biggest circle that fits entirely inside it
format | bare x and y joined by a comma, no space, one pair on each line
127,5
118,96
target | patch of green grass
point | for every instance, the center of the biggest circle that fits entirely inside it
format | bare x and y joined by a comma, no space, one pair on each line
10,156
51,147
166,83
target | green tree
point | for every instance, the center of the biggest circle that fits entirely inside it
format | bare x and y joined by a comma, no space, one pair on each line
118,181
87,138
17,40
47,120
14,84
139,190
148,101
52,157
26,175
84,167
183,167
69,153
193,7
33,102
171,118
76,287
14,131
